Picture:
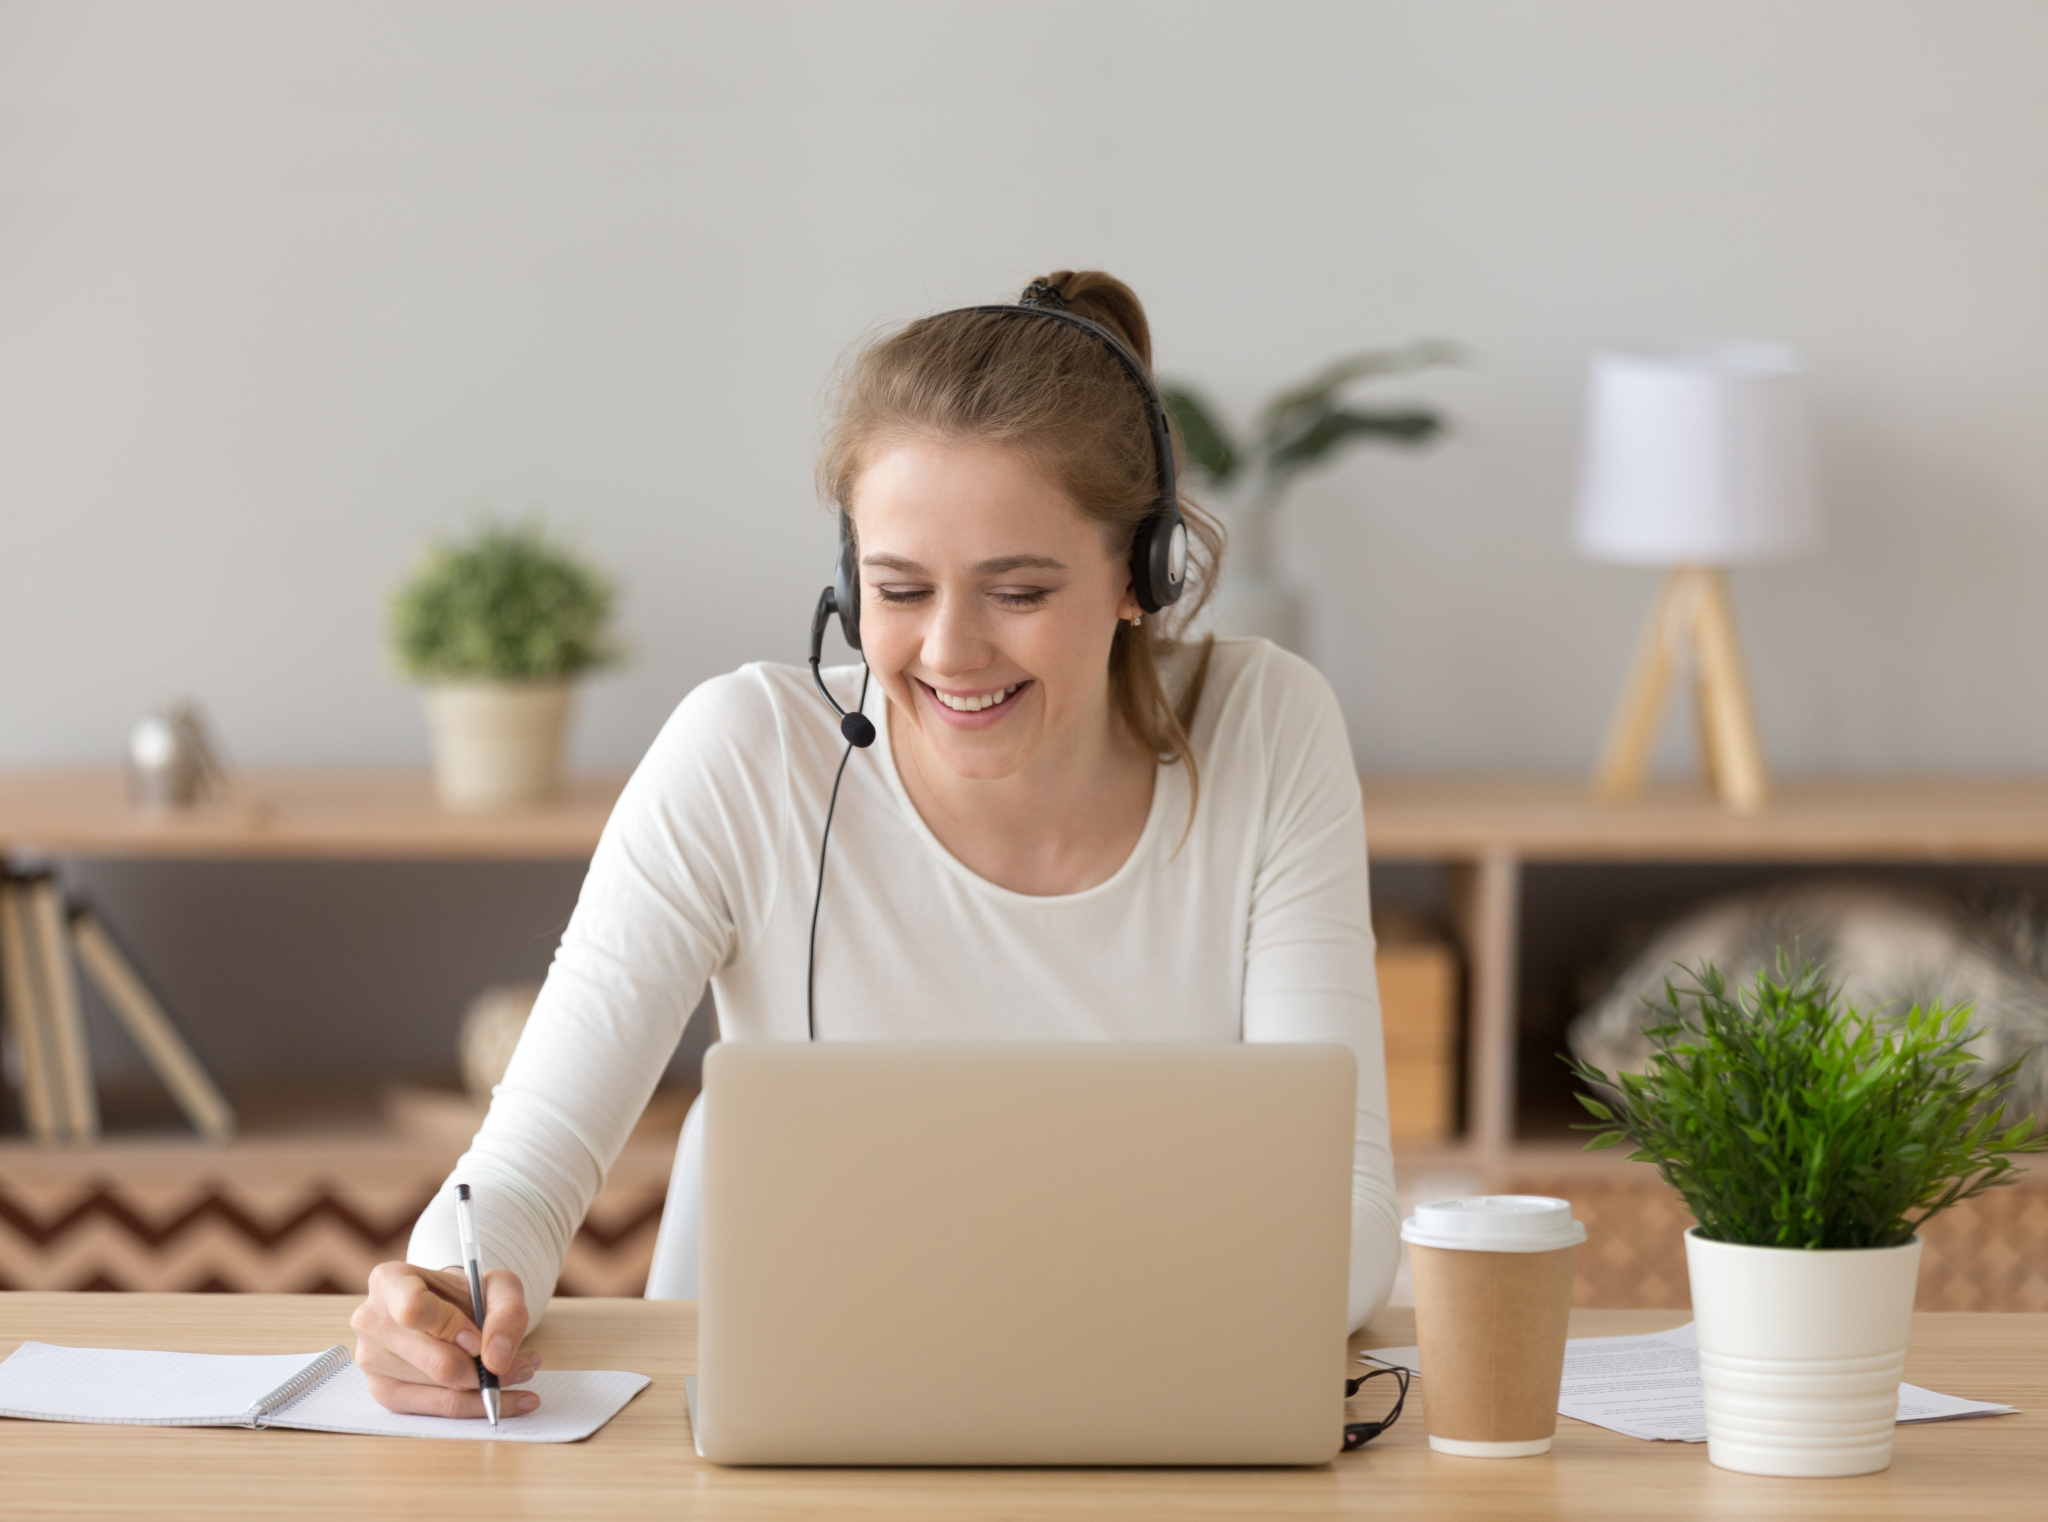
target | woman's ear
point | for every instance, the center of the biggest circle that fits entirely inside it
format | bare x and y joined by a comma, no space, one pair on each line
1128,608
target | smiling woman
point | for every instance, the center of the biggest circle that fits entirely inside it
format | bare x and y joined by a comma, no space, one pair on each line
990,609
1072,823
1055,403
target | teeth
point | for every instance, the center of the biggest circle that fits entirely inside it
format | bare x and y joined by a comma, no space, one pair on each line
974,705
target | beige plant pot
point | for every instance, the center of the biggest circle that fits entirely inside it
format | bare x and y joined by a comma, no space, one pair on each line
497,744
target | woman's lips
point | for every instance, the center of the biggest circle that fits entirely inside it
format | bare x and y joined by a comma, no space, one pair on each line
979,719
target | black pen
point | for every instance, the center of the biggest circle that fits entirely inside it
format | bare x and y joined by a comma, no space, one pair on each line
486,1381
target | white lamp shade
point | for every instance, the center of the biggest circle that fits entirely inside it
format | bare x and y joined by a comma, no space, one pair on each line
1697,456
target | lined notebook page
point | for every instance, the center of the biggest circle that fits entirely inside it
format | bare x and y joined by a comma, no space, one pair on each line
45,1383
142,1389
573,1404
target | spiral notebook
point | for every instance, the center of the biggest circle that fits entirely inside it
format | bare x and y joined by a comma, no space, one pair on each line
314,1392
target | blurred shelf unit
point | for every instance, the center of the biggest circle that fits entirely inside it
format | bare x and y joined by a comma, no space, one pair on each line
322,1186
1482,835
1478,835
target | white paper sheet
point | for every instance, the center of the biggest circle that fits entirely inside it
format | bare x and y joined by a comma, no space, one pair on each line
135,1388
573,1404
40,1382
1649,1387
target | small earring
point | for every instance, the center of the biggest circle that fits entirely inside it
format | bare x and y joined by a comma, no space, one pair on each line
1137,619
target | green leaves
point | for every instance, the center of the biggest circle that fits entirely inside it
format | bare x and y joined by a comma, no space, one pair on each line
506,606
1787,1118
1309,423
1208,446
1327,430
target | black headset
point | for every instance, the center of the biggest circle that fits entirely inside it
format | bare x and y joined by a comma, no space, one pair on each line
1159,565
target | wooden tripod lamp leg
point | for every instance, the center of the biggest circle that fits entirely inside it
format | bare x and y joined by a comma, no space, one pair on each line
1729,733
1625,760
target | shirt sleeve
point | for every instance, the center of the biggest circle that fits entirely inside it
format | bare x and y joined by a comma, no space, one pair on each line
679,884
1309,973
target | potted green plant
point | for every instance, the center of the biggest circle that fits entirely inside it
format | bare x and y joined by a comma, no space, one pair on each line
1305,426
1811,1140
496,629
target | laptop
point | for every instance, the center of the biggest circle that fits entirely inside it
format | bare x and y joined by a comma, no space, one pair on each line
1011,1254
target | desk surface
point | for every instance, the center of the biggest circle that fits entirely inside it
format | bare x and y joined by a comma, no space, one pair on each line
642,1464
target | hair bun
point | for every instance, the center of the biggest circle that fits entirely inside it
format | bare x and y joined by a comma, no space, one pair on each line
1101,298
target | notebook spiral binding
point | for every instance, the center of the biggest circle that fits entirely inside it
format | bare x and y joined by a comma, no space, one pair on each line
329,1363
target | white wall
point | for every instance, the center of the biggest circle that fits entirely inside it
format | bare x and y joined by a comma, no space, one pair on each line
286,288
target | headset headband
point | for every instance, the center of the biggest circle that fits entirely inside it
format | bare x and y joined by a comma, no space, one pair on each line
1155,406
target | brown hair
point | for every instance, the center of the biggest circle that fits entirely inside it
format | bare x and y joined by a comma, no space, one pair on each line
1058,395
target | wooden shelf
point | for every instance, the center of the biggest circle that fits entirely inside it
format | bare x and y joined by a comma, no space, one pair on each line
394,815
373,815
1482,830
1812,819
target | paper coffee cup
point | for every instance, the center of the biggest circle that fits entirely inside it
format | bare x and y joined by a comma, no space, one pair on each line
1493,1296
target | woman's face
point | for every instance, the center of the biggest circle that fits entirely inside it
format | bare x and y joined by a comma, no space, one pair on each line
988,604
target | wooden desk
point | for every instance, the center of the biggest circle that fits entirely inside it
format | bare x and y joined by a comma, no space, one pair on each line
643,1464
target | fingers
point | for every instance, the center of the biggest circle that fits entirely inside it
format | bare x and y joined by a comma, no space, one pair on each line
374,1358
417,1345
407,1319
419,1299
505,1320
432,1400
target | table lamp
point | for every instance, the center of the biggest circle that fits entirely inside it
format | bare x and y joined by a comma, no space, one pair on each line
1695,459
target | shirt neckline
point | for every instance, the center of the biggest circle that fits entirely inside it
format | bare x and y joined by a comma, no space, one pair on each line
1128,868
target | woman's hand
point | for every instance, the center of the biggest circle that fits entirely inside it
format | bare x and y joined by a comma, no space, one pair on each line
417,1344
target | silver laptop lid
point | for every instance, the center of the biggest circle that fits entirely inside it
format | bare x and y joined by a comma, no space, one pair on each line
1086,1253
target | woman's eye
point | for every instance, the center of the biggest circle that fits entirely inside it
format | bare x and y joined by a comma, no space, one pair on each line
1021,597
902,594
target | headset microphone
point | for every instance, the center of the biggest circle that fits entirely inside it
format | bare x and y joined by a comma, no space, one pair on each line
858,728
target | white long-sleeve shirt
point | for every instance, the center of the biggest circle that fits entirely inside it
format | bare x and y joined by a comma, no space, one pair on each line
1255,927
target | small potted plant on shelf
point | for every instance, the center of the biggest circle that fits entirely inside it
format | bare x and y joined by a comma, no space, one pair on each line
1810,1140
496,629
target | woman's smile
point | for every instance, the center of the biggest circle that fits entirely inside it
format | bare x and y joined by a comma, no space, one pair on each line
973,709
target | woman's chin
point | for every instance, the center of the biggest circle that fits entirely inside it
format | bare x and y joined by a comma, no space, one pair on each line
978,756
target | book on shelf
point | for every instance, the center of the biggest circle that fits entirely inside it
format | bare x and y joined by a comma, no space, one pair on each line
39,935
78,1105
151,1028
27,1022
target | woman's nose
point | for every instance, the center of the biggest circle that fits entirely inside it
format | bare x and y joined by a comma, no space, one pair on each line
954,641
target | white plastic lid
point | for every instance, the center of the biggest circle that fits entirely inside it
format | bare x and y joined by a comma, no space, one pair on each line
1495,1223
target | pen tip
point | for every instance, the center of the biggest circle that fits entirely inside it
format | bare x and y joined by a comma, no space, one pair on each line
491,1399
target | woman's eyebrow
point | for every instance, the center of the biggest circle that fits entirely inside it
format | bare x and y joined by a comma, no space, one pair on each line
1002,563
995,567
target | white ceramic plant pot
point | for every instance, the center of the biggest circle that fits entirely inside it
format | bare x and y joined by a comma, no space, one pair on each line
497,744
1801,1353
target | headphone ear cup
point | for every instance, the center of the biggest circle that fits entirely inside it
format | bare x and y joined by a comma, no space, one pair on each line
1159,559
846,586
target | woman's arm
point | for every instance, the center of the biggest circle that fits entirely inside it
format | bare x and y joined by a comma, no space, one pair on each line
679,883
1309,952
